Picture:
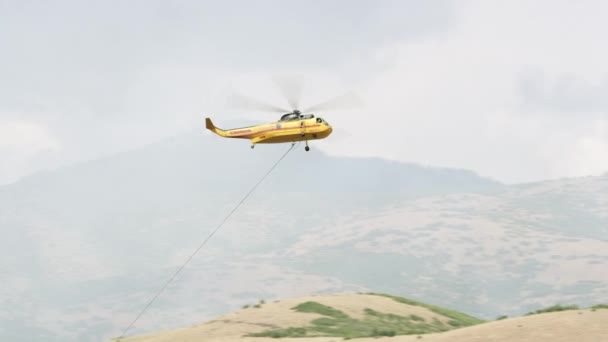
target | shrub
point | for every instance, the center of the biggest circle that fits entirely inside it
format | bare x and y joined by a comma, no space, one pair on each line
554,308
455,323
465,319
289,332
319,308
382,332
502,317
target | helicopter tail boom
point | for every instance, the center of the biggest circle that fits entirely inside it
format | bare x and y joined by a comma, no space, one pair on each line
210,126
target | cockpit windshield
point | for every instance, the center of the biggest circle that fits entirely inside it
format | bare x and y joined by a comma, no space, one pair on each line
290,116
321,120
296,116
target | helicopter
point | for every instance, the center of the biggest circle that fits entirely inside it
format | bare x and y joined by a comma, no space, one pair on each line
293,125
290,128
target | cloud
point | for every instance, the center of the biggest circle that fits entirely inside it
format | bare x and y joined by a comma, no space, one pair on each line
590,153
22,144
511,90
26,135
457,99
112,76
564,93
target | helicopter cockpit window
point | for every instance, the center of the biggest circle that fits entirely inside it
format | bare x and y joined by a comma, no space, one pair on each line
319,120
289,117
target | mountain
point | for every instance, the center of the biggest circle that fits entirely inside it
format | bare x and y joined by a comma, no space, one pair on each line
86,246
486,254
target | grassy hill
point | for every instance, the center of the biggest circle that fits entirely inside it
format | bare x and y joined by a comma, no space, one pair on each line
364,316
346,316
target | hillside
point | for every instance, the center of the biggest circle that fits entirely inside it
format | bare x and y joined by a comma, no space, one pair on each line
487,254
324,318
89,244
578,325
346,315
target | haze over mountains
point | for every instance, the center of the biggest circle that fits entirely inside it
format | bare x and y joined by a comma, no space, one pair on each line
90,243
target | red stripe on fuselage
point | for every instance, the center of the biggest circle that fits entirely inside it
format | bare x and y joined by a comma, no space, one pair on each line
266,130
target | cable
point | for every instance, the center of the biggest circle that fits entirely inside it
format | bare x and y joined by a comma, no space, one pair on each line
205,241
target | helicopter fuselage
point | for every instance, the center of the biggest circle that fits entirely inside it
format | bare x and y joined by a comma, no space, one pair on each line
288,129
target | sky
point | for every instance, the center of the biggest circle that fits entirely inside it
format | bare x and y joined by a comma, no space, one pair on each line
514,91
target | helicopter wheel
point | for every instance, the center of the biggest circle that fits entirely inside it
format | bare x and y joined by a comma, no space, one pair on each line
252,146
307,148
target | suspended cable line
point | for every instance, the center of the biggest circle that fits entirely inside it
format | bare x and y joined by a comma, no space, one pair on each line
205,241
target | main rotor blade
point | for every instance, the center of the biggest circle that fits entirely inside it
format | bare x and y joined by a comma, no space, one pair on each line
291,87
345,101
239,101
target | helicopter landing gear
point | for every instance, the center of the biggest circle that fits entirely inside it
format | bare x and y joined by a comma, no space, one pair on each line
252,146
307,148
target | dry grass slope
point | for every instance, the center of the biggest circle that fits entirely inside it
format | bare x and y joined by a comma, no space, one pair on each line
563,326
295,320
344,316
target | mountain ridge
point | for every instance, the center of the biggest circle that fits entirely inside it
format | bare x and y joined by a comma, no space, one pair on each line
221,151
113,231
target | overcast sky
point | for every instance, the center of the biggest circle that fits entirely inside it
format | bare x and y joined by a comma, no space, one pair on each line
516,90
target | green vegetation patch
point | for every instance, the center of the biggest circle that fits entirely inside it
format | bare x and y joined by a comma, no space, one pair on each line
278,333
554,308
600,306
335,323
458,319
314,307
416,318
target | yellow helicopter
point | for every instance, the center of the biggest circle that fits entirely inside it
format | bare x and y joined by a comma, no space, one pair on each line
292,126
